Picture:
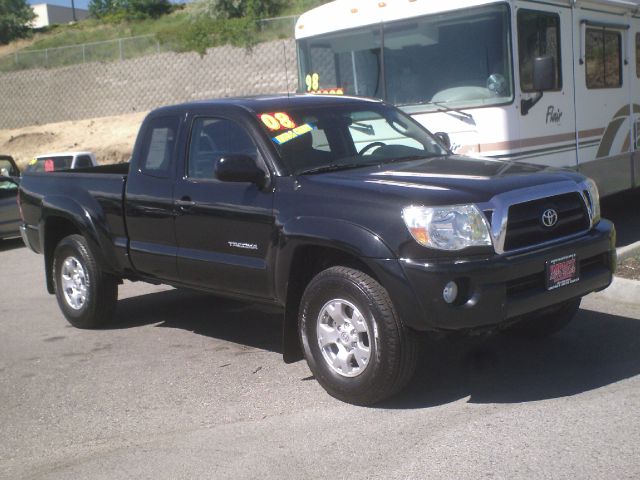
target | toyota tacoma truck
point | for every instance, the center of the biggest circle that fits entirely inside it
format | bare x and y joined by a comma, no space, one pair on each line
350,216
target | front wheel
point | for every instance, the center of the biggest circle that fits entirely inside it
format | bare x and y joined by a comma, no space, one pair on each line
354,342
86,294
545,322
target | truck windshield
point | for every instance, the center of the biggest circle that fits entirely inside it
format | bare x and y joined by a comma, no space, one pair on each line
322,138
456,59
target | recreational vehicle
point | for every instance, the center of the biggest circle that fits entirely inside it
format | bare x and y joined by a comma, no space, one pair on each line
554,82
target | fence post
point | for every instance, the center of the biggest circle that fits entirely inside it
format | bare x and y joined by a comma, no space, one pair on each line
120,46
16,58
84,55
46,57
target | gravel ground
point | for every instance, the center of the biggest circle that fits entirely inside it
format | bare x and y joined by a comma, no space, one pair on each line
629,268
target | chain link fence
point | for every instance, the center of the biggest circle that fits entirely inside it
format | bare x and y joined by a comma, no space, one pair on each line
96,89
107,51
121,49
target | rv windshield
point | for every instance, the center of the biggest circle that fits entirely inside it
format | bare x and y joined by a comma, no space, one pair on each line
459,59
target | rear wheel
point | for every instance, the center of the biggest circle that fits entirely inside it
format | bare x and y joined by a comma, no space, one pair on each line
544,322
86,294
354,342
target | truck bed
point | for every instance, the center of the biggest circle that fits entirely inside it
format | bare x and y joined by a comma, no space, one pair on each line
87,195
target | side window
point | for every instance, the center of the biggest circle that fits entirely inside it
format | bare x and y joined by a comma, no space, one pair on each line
638,55
538,36
83,161
603,52
159,147
212,139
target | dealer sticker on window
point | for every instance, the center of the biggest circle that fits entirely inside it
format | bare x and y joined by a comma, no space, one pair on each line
562,271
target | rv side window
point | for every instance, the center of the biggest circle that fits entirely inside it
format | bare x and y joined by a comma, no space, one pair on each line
538,36
638,55
603,58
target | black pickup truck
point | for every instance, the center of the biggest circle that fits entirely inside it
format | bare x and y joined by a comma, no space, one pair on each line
345,212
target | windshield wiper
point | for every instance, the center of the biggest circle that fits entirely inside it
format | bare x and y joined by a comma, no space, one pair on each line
363,128
454,112
333,168
409,158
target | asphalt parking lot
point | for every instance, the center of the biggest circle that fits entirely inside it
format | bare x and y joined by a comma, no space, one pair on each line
184,385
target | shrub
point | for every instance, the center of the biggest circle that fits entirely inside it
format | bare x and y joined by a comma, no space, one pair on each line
15,15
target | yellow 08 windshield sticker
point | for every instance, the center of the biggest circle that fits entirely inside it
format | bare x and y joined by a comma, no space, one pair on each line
291,134
277,121
33,161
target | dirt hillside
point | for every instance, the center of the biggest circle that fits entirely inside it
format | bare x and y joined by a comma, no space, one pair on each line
110,138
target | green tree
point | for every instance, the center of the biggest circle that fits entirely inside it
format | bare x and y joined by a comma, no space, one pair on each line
225,9
15,17
129,9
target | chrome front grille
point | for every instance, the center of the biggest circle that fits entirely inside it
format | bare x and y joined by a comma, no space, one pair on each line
515,217
525,226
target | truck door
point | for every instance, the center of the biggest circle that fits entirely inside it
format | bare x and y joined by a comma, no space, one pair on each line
603,84
547,119
224,230
149,199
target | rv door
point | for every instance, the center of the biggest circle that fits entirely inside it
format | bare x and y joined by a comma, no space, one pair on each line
605,115
545,73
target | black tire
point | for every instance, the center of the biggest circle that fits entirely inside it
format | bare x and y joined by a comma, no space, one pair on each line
544,323
101,289
392,355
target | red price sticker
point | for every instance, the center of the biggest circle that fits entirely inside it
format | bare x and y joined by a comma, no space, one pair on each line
277,121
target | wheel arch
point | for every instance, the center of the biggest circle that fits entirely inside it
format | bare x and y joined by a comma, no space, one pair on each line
61,217
310,245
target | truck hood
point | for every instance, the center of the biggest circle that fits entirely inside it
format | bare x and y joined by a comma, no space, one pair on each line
441,180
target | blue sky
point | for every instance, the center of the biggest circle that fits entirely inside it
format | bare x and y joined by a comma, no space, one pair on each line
78,3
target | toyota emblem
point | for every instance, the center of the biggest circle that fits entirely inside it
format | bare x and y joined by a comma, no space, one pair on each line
549,218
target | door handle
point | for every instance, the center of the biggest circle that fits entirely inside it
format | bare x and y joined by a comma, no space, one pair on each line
184,204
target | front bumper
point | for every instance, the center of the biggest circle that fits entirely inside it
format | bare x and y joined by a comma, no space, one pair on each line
497,289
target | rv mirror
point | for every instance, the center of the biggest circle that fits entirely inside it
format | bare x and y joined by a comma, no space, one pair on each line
444,139
544,73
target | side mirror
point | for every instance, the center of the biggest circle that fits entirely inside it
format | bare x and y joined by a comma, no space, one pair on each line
239,168
444,139
544,73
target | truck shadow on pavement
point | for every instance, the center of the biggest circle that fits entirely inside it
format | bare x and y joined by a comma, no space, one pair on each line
596,350
11,244
224,319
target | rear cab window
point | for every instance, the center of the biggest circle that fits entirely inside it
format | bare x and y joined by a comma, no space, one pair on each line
83,161
158,150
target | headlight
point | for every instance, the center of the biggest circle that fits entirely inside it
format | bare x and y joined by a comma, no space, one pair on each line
594,199
447,228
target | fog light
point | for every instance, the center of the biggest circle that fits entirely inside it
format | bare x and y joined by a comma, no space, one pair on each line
450,292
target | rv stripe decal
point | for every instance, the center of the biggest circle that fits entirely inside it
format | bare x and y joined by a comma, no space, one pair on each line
609,136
